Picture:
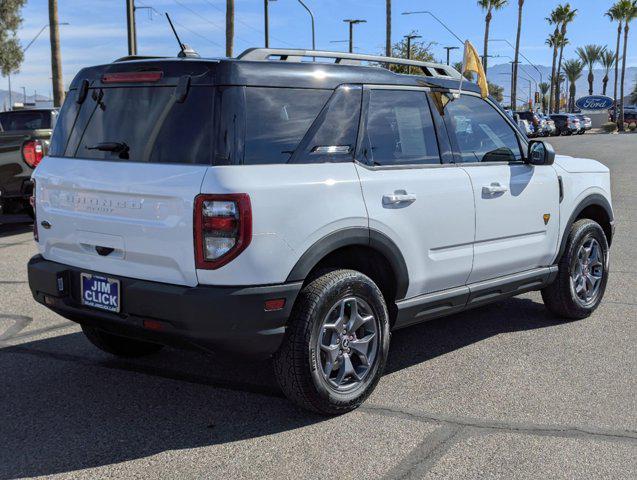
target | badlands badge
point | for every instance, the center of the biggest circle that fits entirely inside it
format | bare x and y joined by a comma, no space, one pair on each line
547,217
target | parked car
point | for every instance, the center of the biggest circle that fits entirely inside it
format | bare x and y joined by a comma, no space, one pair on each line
630,114
585,123
550,129
24,140
266,205
526,127
534,120
565,123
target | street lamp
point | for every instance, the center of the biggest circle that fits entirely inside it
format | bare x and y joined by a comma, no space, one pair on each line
24,51
266,19
409,39
351,31
521,54
437,20
448,49
312,19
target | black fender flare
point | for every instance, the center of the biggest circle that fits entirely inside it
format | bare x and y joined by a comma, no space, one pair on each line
593,199
353,236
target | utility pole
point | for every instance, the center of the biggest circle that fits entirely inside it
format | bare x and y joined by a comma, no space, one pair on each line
266,19
24,95
10,96
448,49
409,38
229,27
130,23
351,31
56,58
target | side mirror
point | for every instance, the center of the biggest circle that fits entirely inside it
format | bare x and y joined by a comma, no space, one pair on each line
540,153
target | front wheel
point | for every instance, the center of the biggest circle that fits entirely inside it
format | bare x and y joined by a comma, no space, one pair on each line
336,343
583,273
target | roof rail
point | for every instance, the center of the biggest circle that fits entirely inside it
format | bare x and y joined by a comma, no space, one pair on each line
430,69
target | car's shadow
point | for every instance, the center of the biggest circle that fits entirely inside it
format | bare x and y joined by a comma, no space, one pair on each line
14,225
64,406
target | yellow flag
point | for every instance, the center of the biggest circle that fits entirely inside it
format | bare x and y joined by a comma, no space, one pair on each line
471,63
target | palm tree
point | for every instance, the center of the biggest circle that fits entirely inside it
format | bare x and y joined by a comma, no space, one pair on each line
489,6
56,58
607,60
633,95
614,13
628,9
590,55
566,15
544,88
553,42
558,81
562,41
573,70
514,80
229,27
388,28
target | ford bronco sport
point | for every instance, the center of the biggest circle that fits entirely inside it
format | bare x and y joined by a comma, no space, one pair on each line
271,206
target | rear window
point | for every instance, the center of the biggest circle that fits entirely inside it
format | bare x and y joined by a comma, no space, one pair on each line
24,120
146,124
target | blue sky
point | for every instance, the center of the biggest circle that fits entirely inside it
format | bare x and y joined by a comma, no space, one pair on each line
97,30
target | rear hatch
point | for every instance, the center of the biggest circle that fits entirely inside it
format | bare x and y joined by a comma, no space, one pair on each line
129,152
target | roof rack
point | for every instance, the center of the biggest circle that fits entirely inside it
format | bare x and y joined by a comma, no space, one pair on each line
430,69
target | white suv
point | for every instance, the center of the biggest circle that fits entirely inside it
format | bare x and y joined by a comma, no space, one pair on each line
272,206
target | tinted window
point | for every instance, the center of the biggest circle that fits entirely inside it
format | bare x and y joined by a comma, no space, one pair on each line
332,138
276,121
24,120
399,130
149,121
480,132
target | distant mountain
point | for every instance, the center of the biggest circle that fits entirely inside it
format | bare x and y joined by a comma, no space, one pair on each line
501,75
41,101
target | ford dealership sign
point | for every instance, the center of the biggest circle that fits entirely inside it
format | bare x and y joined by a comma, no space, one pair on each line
594,102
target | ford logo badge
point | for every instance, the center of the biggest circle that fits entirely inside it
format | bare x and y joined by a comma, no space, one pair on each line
594,102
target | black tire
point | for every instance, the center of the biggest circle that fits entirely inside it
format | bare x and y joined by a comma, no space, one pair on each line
298,372
560,297
120,346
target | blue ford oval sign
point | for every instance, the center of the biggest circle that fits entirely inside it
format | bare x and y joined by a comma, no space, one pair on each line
594,102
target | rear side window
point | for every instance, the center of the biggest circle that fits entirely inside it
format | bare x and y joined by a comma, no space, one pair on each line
276,121
150,123
24,120
400,129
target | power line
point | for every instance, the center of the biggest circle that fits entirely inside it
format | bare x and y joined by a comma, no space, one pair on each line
154,11
214,24
248,25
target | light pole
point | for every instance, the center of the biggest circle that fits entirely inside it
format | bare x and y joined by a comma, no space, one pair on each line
351,31
437,20
409,38
312,19
521,54
448,49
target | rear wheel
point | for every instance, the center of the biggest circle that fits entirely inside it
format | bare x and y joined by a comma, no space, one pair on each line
120,346
583,272
336,343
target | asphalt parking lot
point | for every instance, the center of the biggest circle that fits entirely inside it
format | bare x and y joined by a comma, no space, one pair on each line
505,391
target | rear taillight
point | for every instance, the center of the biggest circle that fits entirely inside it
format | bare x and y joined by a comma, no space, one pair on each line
32,152
222,228
35,220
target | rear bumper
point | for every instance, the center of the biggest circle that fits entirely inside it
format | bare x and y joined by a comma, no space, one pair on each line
231,319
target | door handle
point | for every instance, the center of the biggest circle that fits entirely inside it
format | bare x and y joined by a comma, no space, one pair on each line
395,198
493,189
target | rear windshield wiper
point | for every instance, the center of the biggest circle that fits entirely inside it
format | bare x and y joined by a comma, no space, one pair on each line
116,147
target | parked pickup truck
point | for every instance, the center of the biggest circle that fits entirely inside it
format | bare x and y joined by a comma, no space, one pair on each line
24,141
